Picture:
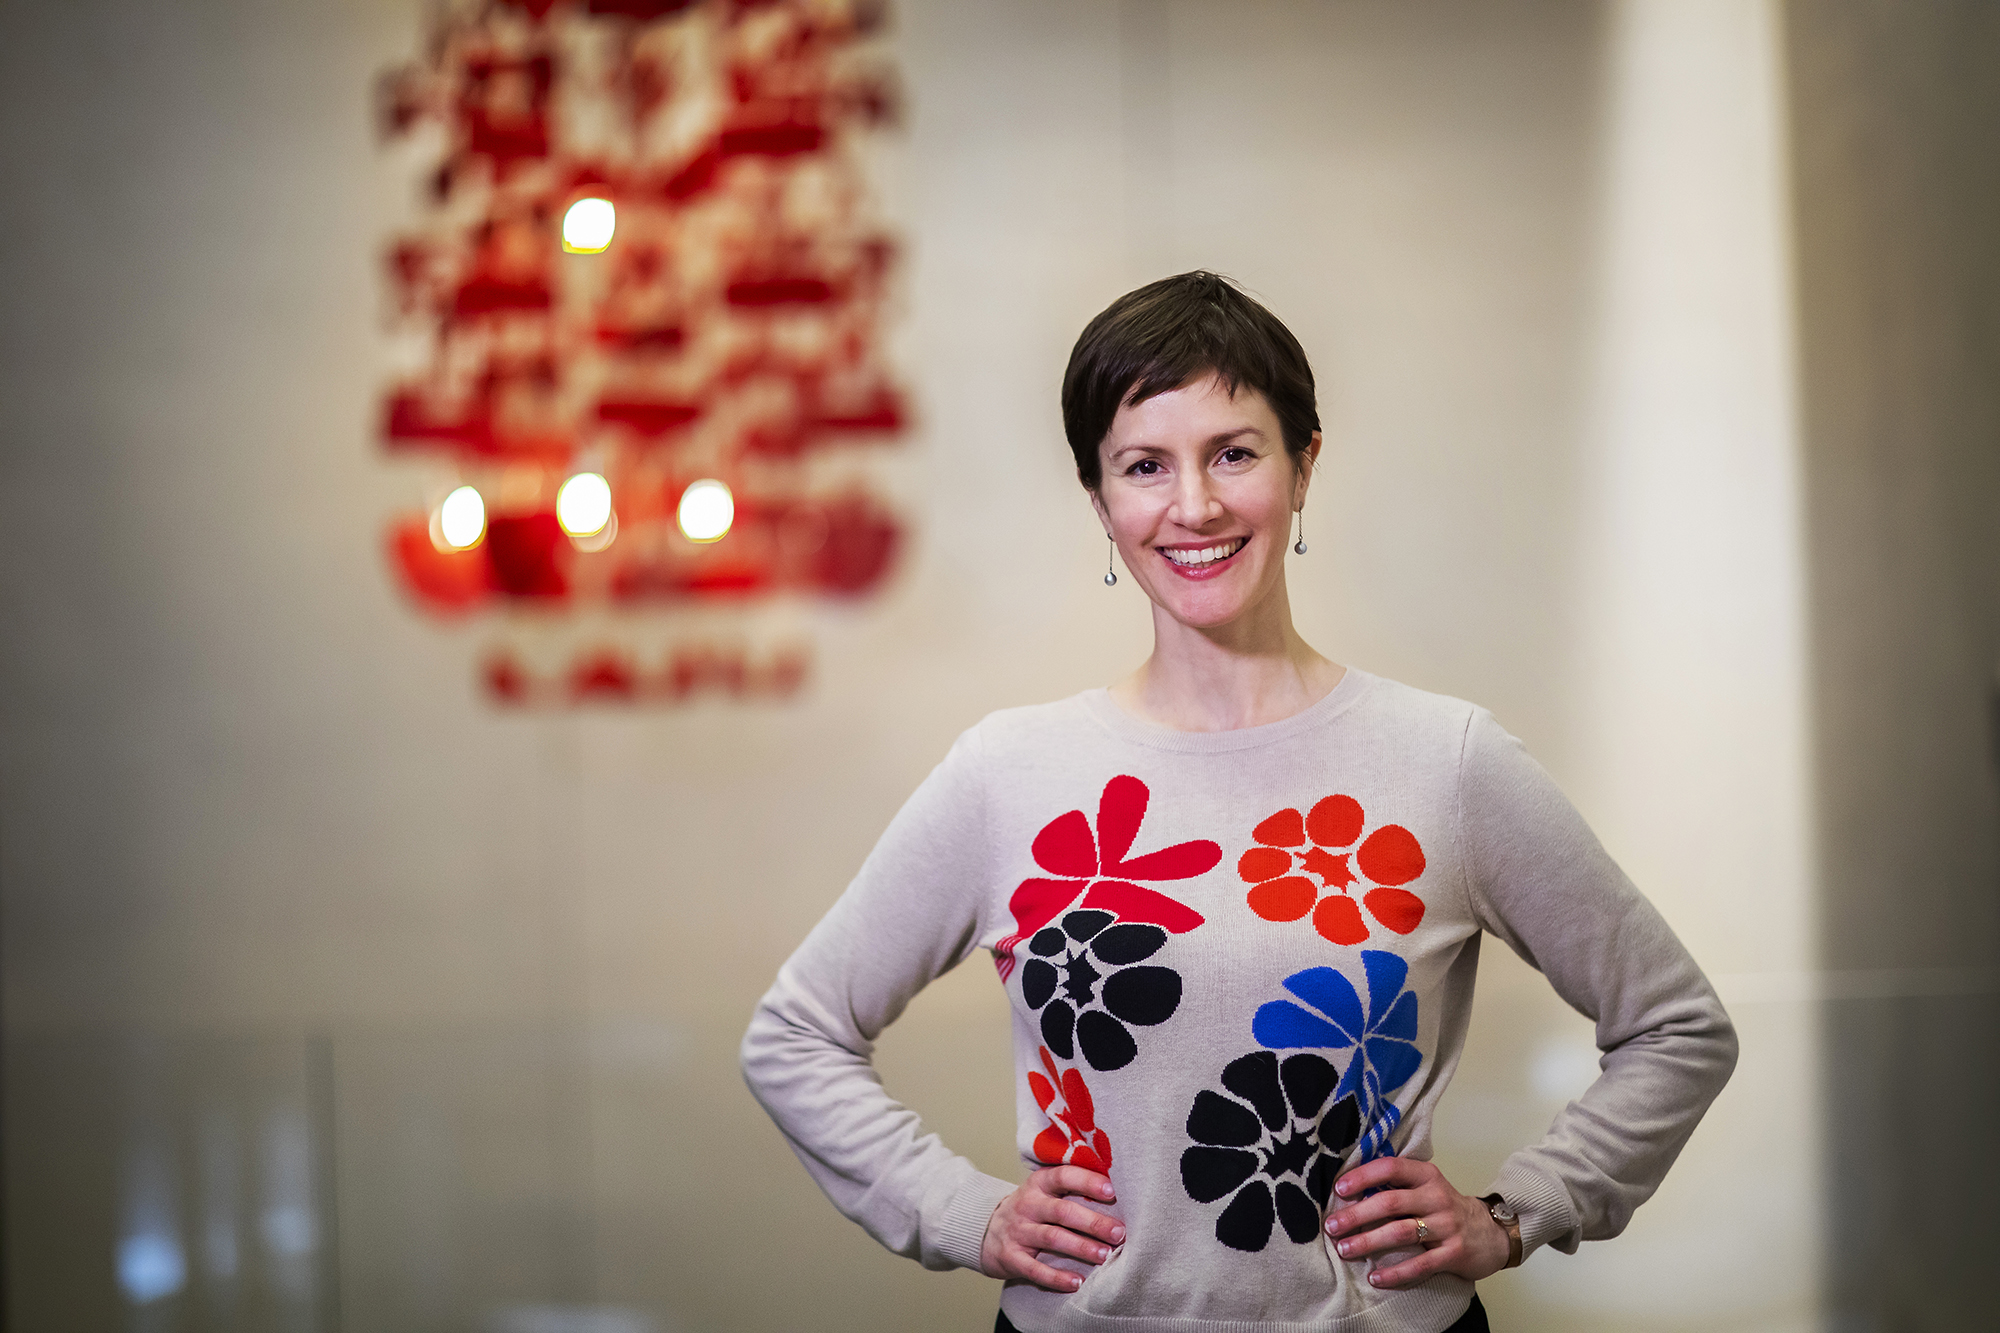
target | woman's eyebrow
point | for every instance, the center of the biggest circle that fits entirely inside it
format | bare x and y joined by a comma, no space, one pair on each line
1135,447
1228,435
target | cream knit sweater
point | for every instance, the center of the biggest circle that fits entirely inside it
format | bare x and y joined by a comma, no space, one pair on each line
1239,963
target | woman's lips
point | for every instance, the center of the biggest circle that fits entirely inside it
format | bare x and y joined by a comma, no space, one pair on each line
1204,562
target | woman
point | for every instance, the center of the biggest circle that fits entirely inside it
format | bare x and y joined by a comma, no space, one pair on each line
1236,902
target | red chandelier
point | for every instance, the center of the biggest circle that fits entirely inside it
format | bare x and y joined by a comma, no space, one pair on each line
644,306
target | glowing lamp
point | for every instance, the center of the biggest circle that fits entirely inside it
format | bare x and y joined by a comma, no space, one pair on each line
592,542
583,505
706,511
588,225
460,521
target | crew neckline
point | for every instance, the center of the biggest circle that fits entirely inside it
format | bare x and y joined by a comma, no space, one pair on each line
1099,704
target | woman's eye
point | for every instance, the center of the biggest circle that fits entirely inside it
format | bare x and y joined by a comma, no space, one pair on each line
1145,467
1233,454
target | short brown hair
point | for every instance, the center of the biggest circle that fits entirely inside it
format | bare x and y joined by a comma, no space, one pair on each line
1156,339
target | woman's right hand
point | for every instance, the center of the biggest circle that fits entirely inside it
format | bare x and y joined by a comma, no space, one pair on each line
1040,1216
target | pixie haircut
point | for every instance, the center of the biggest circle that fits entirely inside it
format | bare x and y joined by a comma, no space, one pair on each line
1156,339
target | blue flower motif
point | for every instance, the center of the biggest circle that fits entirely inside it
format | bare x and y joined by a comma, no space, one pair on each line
1384,1040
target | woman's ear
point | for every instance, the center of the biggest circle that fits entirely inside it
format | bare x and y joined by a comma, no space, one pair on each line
1308,461
1097,503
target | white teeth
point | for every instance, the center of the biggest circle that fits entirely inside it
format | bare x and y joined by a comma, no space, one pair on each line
1208,555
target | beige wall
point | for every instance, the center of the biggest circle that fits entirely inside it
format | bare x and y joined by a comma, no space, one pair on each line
246,793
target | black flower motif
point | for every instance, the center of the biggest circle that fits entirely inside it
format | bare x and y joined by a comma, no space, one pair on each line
1270,1144
1082,979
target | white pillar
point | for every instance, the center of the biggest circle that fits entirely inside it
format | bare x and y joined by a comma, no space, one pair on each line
1692,719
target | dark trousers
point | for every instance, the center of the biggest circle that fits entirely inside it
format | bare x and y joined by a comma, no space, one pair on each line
1472,1321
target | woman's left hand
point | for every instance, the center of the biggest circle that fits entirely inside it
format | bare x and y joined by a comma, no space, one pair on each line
1458,1235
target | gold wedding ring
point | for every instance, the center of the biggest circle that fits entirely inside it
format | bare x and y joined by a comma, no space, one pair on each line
1423,1232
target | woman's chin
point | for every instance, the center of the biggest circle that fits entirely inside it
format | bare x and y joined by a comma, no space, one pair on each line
1205,607
1238,597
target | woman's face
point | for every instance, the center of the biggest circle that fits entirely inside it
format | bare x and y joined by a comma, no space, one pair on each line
1199,492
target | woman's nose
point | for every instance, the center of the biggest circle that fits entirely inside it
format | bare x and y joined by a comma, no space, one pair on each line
1195,501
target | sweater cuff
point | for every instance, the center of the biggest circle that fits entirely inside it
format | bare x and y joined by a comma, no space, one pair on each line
1543,1205
962,1229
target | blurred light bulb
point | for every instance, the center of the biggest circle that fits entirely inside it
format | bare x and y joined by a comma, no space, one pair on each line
588,225
591,543
707,509
461,519
583,505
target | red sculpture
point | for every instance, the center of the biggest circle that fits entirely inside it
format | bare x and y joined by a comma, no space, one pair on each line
730,329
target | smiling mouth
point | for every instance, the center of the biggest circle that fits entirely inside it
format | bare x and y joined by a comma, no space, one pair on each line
1206,556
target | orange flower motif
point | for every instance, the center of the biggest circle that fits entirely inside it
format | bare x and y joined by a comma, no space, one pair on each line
1072,1136
1294,850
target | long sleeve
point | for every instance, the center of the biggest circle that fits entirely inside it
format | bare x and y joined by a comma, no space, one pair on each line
1540,881
911,914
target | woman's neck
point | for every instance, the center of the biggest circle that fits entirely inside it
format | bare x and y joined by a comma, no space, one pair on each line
1226,679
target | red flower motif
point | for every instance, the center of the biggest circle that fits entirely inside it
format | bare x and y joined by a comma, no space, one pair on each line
1285,891
1065,847
1072,1137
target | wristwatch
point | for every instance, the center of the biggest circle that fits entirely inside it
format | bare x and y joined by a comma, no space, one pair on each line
1509,1223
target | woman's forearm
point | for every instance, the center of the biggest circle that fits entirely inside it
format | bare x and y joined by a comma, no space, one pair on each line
1539,879
910,914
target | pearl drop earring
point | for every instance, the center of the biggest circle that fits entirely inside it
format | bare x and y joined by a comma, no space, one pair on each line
1299,546
1110,578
